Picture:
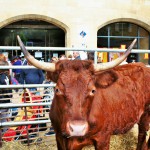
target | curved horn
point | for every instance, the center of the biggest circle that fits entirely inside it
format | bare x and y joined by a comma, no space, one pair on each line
39,64
116,62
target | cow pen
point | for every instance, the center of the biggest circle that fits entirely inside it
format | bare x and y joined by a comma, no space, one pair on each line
35,126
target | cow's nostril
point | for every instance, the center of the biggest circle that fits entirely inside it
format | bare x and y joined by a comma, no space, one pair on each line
71,129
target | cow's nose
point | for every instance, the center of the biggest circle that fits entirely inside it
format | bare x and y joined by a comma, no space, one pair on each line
77,128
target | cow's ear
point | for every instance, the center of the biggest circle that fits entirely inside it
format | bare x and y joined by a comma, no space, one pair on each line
105,79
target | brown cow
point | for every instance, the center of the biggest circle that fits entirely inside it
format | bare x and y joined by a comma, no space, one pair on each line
93,102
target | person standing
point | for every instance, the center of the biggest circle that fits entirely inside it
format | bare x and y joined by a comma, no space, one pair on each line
62,57
4,58
76,55
16,72
54,59
5,94
31,76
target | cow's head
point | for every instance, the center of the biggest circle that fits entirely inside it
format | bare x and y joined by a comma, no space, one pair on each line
75,90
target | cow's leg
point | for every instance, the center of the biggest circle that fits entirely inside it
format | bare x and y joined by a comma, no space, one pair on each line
102,142
143,128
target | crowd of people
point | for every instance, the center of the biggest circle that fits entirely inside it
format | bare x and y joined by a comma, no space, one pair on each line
34,76
5,94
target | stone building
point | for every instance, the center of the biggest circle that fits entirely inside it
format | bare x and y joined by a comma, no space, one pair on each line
77,23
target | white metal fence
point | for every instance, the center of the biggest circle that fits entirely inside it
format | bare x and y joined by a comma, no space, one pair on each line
32,114
95,50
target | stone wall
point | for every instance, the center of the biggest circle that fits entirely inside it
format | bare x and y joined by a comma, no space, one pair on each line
74,16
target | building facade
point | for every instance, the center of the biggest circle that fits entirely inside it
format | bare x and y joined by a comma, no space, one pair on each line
77,23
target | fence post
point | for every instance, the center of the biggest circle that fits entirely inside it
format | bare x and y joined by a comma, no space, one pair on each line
26,116
0,133
95,57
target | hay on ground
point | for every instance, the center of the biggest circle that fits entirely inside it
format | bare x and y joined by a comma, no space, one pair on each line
118,142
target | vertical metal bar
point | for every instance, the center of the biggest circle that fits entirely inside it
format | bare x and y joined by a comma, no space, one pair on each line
49,45
0,133
108,42
138,43
0,137
149,48
95,57
26,116
45,44
38,127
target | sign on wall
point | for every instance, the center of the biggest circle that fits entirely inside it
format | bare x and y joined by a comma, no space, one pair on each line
38,54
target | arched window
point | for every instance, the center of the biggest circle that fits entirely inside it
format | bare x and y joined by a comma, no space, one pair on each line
120,35
33,33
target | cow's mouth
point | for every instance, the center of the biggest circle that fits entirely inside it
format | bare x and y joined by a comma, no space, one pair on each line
76,128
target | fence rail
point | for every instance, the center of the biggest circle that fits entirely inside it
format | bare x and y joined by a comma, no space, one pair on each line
22,67
74,49
27,85
10,124
32,122
95,50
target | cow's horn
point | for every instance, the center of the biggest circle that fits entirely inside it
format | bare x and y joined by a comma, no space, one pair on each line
39,64
116,62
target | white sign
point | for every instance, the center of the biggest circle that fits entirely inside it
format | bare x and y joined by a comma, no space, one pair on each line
55,55
22,54
38,54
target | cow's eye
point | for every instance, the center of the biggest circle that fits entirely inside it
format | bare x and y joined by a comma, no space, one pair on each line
92,92
57,90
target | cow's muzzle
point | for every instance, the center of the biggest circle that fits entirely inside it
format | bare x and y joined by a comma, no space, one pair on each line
77,128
